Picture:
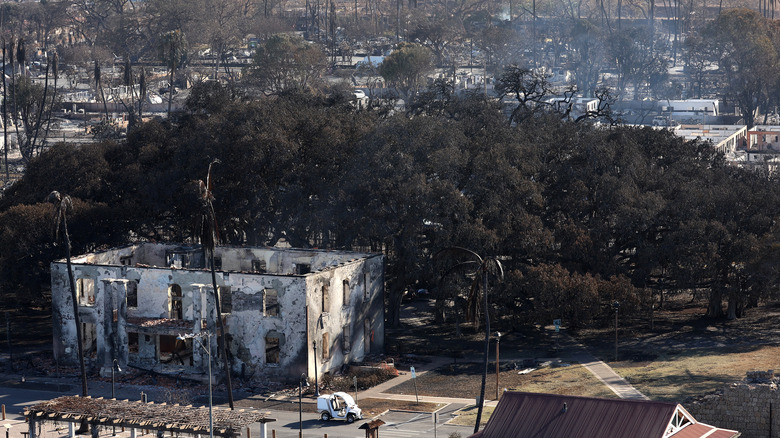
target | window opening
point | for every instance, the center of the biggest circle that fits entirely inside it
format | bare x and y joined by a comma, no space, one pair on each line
271,303
258,266
85,288
174,301
89,339
271,349
132,342
178,260
174,350
325,299
345,337
302,269
345,292
366,285
132,294
226,299
217,263
325,347
367,336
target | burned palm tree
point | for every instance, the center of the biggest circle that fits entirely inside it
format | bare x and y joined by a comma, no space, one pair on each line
475,267
61,205
209,235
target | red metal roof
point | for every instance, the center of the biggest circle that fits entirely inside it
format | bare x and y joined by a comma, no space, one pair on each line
520,414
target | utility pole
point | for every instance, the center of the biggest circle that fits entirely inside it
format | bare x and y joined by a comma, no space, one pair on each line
498,341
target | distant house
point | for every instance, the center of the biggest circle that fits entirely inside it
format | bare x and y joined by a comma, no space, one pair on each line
370,60
579,105
700,110
521,414
725,138
276,303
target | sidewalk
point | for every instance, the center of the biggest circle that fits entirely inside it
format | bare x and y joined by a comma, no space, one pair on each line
601,370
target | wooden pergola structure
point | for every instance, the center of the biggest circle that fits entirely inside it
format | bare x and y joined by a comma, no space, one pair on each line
137,415
372,428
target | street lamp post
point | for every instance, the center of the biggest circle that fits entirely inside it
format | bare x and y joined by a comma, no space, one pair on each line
616,305
7,429
498,341
114,367
197,338
303,381
316,380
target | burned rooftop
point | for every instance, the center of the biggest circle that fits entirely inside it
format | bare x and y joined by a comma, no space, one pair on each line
140,415
265,260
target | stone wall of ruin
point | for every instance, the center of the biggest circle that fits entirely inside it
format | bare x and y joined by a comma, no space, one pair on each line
751,407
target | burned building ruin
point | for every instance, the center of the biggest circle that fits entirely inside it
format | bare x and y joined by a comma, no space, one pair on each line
277,303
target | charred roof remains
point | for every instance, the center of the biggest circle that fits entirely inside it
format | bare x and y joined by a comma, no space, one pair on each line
140,415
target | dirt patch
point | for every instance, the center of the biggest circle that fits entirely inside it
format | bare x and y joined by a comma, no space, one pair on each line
697,373
464,381
681,353
468,416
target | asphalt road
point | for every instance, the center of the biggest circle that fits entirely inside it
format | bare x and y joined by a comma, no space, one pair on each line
398,424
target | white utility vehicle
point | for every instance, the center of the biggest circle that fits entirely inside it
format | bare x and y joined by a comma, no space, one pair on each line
338,405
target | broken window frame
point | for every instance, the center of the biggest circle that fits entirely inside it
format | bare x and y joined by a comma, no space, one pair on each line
132,343
225,299
89,339
259,266
271,309
325,347
366,285
131,298
85,298
325,295
346,340
172,300
367,336
273,347
345,291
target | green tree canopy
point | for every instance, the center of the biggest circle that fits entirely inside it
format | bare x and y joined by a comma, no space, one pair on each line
285,62
406,66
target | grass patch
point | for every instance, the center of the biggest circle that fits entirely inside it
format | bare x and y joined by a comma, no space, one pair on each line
676,377
464,380
468,416
375,406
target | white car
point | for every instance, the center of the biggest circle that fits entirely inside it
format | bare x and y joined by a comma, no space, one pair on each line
338,405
